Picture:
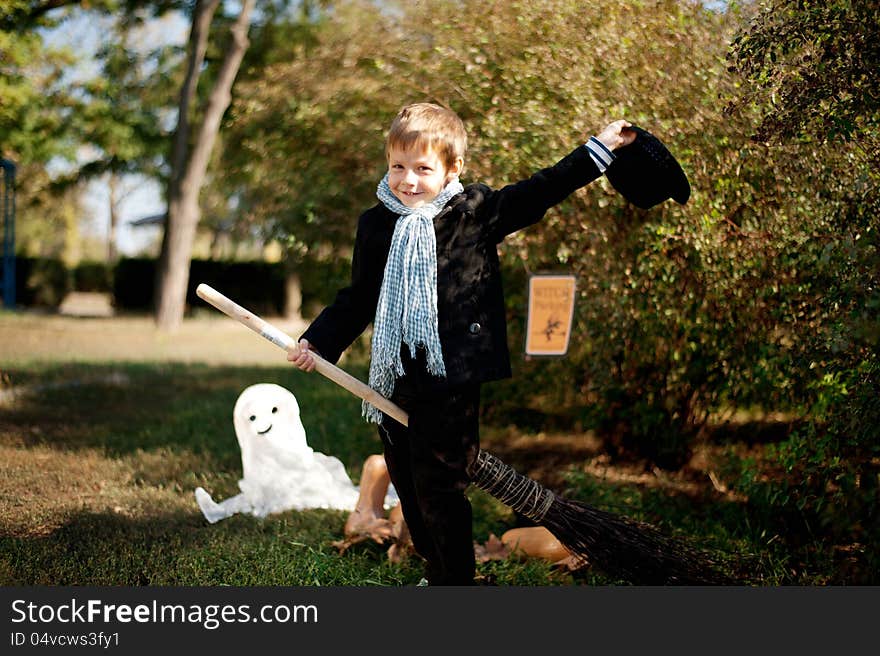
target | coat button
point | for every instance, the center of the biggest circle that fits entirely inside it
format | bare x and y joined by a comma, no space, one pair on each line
474,328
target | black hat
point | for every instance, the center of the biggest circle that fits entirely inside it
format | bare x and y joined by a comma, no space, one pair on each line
646,173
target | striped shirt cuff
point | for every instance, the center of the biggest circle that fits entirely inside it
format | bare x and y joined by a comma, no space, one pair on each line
600,153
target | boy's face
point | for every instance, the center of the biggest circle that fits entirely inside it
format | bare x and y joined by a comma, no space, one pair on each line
417,176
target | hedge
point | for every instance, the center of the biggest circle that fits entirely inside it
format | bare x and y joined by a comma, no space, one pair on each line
44,282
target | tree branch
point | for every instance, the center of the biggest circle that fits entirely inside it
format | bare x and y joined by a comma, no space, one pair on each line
203,14
221,94
26,17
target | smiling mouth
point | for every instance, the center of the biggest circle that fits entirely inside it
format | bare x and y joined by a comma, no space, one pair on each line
265,431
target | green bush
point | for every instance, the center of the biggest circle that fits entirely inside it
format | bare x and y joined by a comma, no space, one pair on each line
133,281
259,286
93,277
41,282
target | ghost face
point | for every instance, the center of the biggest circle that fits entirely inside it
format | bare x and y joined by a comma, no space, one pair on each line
267,416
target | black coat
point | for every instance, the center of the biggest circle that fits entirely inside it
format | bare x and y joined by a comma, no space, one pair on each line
470,300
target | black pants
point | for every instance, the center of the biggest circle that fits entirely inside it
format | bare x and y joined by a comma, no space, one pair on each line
428,464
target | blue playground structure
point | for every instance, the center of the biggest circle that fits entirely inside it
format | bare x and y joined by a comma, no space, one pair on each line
7,205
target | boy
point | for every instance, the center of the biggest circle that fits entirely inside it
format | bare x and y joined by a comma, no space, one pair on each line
425,271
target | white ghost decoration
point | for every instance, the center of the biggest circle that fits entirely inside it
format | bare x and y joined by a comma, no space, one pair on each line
280,471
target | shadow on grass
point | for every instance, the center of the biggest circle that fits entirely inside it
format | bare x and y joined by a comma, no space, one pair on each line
124,408
181,417
750,433
181,549
291,549
735,533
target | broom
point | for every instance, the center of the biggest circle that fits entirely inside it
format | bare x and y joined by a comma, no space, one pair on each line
620,546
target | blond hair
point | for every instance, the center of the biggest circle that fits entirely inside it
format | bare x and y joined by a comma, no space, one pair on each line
428,126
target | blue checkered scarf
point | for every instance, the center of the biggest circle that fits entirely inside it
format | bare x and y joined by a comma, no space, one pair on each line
407,308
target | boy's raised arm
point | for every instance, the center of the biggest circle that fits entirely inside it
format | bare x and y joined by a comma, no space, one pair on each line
524,203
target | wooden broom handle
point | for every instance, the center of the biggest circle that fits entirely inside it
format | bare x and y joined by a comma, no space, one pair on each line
285,341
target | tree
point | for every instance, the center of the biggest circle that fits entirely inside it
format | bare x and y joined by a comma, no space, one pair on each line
120,113
303,141
24,15
189,161
811,82
811,69
104,125
36,127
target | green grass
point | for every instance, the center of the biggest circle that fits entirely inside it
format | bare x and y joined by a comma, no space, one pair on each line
101,460
161,430
182,549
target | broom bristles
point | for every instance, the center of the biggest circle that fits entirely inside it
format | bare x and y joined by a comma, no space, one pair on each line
624,548
620,546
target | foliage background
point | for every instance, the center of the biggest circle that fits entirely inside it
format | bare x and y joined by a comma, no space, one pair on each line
759,296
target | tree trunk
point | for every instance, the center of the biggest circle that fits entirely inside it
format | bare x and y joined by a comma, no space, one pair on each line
113,183
190,165
292,296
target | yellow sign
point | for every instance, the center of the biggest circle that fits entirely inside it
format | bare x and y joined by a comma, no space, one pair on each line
551,310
